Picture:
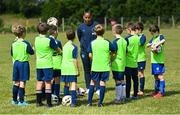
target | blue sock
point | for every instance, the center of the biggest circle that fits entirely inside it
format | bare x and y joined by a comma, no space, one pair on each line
156,85
21,94
142,83
102,93
73,96
56,89
15,92
52,88
162,87
90,94
66,90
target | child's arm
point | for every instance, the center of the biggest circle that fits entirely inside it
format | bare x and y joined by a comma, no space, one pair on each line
77,66
149,44
90,56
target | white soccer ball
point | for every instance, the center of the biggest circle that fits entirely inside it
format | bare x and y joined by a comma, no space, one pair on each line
52,21
156,49
66,100
54,99
81,91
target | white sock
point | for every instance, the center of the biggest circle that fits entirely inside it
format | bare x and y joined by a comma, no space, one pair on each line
123,92
118,92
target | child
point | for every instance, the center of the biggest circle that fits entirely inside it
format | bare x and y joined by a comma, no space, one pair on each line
20,51
57,57
44,47
118,64
131,70
157,60
70,66
99,52
141,57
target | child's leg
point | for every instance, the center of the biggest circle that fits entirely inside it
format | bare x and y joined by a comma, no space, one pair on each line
102,92
66,88
123,89
91,91
118,89
21,91
73,93
39,86
48,92
156,84
142,80
57,86
161,84
128,86
15,90
135,80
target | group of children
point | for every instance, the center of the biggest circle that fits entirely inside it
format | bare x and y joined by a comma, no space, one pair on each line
124,56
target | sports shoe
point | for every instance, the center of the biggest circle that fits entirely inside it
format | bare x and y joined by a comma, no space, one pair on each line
154,93
140,93
89,104
116,101
23,104
100,105
14,102
158,95
98,92
134,97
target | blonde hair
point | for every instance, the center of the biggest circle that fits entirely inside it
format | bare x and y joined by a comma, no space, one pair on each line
99,29
18,30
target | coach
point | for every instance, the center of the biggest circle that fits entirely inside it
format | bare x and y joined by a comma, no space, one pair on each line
86,35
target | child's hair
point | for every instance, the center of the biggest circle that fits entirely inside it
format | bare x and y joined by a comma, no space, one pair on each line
154,28
42,28
140,26
52,29
18,30
70,34
131,26
99,29
118,29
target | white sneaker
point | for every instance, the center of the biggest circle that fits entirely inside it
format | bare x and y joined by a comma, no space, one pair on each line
87,91
98,92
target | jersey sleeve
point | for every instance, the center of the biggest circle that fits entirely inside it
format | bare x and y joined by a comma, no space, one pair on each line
53,44
162,37
59,44
142,40
114,43
111,47
29,48
150,41
75,52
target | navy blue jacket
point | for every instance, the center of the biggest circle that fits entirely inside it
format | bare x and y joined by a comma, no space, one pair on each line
86,34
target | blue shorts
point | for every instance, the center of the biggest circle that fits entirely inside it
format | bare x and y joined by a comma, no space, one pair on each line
69,78
56,73
158,69
44,74
118,75
141,65
100,76
131,72
21,71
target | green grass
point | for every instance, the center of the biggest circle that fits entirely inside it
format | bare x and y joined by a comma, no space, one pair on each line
145,105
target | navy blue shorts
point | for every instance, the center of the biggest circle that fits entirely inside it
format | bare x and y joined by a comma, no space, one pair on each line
141,65
118,75
100,76
56,73
44,74
21,71
131,72
158,69
69,78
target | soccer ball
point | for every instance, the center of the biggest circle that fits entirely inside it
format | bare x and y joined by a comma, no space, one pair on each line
156,49
66,100
54,99
81,91
52,21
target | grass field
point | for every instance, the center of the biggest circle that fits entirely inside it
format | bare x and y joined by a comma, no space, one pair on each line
145,105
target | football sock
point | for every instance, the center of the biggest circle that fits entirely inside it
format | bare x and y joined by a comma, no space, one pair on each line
90,94
66,90
48,96
15,92
123,91
118,91
128,86
38,96
56,89
162,87
156,85
135,85
142,83
21,94
102,93
73,96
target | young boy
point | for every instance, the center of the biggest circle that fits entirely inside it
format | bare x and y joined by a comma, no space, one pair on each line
99,53
157,60
20,51
44,47
131,70
70,66
57,57
141,57
118,64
